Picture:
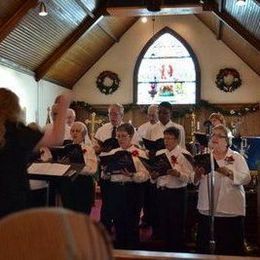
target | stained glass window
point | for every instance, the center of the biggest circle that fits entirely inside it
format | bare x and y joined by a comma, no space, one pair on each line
166,73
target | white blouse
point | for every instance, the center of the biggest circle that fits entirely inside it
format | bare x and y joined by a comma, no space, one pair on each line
182,165
90,159
229,194
156,132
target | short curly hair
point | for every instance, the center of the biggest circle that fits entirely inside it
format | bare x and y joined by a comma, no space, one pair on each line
219,117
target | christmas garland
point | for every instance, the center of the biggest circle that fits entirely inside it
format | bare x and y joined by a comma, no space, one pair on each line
179,112
107,82
228,79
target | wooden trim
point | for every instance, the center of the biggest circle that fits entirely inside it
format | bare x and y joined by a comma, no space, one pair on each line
82,5
153,255
12,22
220,23
67,43
235,26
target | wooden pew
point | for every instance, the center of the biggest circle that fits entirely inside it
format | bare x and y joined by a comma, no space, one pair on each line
153,255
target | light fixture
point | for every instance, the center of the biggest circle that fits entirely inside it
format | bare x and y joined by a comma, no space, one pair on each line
241,2
43,9
144,19
153,84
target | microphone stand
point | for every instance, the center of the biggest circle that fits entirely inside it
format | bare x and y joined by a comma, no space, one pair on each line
211,188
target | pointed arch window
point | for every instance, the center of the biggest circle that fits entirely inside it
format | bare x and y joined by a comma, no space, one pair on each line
167,70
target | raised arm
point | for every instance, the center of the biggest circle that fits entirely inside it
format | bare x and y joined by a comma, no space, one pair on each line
55,135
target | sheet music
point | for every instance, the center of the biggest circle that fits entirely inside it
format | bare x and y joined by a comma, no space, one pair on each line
55,169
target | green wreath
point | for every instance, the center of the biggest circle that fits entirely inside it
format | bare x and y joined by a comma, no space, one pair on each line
228,79
107,82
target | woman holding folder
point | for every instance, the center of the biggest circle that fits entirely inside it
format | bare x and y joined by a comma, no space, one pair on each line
124,170
78,194
171,186
229,198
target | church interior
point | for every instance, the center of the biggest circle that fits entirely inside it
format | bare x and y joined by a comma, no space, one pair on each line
104,52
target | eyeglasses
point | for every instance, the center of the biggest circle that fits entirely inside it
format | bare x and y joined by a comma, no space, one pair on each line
218,136
123,136
114,114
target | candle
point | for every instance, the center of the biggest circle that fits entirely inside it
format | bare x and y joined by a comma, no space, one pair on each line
198,125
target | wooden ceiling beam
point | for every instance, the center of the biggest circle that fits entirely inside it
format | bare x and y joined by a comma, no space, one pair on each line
220,23
149,8
85,26
84,8
12,22
236,27
87,11
157,7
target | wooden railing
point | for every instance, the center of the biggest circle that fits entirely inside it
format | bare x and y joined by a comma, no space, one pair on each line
152,255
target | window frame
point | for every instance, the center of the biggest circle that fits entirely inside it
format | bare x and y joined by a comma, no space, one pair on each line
189,49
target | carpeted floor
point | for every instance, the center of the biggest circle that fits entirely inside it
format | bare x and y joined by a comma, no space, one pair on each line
145,234
147,243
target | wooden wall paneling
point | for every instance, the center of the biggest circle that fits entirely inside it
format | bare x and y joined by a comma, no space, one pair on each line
250,123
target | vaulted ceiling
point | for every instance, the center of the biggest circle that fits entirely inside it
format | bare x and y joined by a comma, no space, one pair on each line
62,46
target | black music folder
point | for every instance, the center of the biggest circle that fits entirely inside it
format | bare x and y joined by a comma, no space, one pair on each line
201,138
109,144
70,153
159,164
203,160
115,163
154,145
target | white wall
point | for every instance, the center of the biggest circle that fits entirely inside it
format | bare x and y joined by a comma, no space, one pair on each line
34,96
212,55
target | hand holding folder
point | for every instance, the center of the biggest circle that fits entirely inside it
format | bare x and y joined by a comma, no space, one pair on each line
154,145
159,164
108,145
117,163
203,160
